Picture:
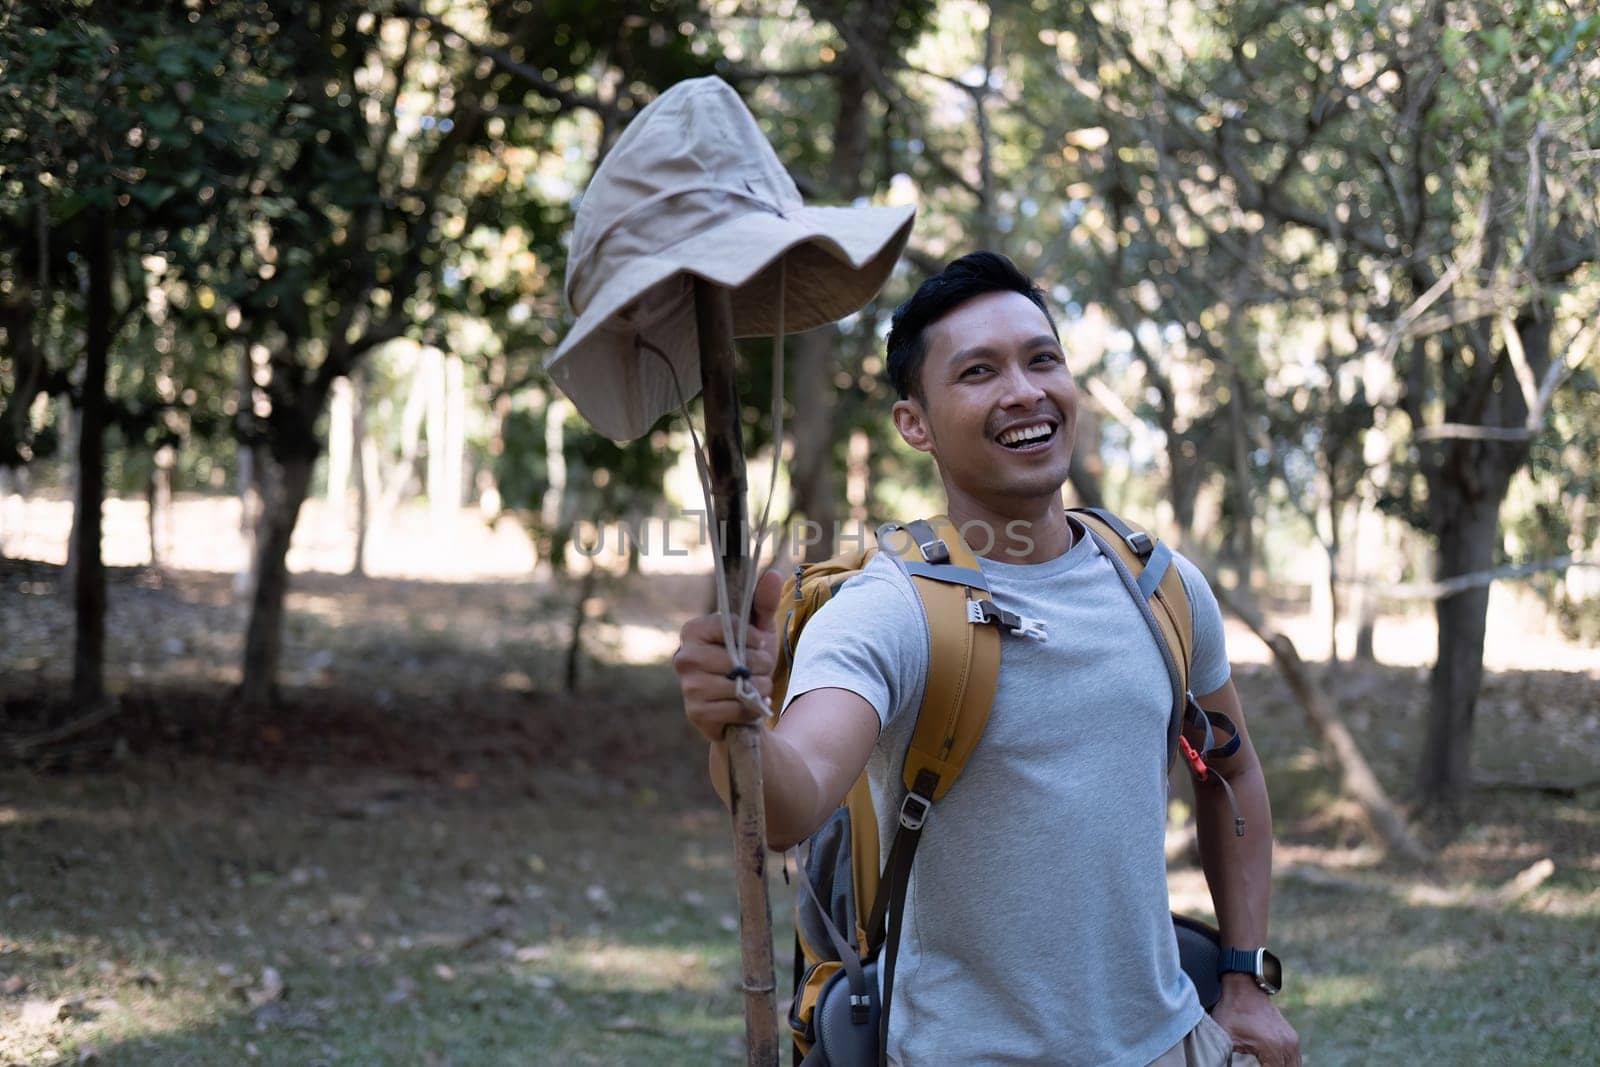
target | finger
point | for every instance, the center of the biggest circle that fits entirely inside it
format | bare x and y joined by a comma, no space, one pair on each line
698,657
764,608
760,662
706,629
712,719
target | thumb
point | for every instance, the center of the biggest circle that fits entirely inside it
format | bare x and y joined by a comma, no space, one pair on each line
764,609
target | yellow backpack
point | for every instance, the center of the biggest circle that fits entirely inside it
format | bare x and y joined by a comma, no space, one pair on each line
847,918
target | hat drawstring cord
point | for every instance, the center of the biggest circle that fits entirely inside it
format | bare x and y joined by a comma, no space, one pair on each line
736,637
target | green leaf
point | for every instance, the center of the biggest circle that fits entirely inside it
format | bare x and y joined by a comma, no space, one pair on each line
162,118
152,195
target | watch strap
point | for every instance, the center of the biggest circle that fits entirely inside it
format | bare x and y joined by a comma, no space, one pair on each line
1242,960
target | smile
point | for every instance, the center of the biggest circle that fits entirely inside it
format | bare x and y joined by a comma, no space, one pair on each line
1028,438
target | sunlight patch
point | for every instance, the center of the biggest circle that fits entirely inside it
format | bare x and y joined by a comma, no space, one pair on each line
1340,991
636,645
636,966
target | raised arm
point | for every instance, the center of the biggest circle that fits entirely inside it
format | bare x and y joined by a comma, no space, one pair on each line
819,746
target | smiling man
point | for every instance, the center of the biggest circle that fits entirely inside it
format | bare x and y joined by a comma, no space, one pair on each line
1036,926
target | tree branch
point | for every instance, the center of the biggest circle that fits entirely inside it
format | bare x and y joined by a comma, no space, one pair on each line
1356,775
543,86
1460,583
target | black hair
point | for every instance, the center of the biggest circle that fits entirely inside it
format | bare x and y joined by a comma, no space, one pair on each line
962,279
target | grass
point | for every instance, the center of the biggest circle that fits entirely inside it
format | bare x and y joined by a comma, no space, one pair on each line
430,855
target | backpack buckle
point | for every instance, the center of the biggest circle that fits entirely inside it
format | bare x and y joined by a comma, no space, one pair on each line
914,810
986,611
935,551
860,1008
1141,544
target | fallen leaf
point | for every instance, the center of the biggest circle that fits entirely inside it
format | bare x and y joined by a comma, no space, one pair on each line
270,988
38,1013
1528,880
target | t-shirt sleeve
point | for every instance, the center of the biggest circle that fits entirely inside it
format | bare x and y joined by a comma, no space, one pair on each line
1210,667
870,638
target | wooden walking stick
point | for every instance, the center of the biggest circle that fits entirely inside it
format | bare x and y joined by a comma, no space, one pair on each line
725,457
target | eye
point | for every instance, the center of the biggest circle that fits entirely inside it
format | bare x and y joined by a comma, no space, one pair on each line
1049,357
976,368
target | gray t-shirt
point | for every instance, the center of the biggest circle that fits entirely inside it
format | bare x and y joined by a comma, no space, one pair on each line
1037,928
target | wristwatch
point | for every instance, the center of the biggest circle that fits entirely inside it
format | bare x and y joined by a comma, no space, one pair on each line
1258,963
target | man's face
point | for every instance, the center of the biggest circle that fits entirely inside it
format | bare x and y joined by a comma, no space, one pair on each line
999,406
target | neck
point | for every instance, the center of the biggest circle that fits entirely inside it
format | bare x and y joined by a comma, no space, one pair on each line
1024,531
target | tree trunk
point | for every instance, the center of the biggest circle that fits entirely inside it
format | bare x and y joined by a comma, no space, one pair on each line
1465,493
858,470
28,372
813,477
1240,547
263,644
1466,544
7,476
439,504
579,615
158,504
1370,544
89,579
249,466
69,420
455,442
341,443
1088,465
364,467
813,480
410,441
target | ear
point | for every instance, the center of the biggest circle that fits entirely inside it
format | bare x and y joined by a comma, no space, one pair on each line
912,422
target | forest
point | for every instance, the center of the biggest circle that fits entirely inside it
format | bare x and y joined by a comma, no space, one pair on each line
337,723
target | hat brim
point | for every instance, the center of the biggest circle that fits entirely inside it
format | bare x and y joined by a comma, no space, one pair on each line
835,259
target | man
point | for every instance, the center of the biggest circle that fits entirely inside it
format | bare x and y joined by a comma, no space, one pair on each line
1036,926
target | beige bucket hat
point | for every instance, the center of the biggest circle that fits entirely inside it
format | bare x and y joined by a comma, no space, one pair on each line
693,188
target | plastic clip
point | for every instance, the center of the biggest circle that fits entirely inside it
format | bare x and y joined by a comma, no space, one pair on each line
914,810
985,611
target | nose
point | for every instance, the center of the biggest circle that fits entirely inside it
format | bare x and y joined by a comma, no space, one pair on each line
1019,388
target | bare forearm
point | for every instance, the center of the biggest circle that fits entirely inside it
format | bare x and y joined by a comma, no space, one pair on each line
787,784
1238,869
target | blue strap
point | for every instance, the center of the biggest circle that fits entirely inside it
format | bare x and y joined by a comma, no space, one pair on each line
947,572
1155,569
1206,720
1219,719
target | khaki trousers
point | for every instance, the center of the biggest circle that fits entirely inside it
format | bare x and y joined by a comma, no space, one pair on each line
1207,1045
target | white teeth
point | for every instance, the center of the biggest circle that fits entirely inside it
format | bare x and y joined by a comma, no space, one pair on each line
1027,433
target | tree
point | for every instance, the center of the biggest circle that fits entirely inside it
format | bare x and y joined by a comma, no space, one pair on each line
1426,175
91,159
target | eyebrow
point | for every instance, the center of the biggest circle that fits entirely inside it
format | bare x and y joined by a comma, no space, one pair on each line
986,350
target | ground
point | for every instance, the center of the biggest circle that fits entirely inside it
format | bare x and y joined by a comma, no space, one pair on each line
430,853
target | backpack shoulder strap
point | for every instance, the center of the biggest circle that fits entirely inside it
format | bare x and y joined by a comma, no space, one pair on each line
963,658
1156,585
963,668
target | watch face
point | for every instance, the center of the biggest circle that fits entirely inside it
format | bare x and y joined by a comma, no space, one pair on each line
1270,974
